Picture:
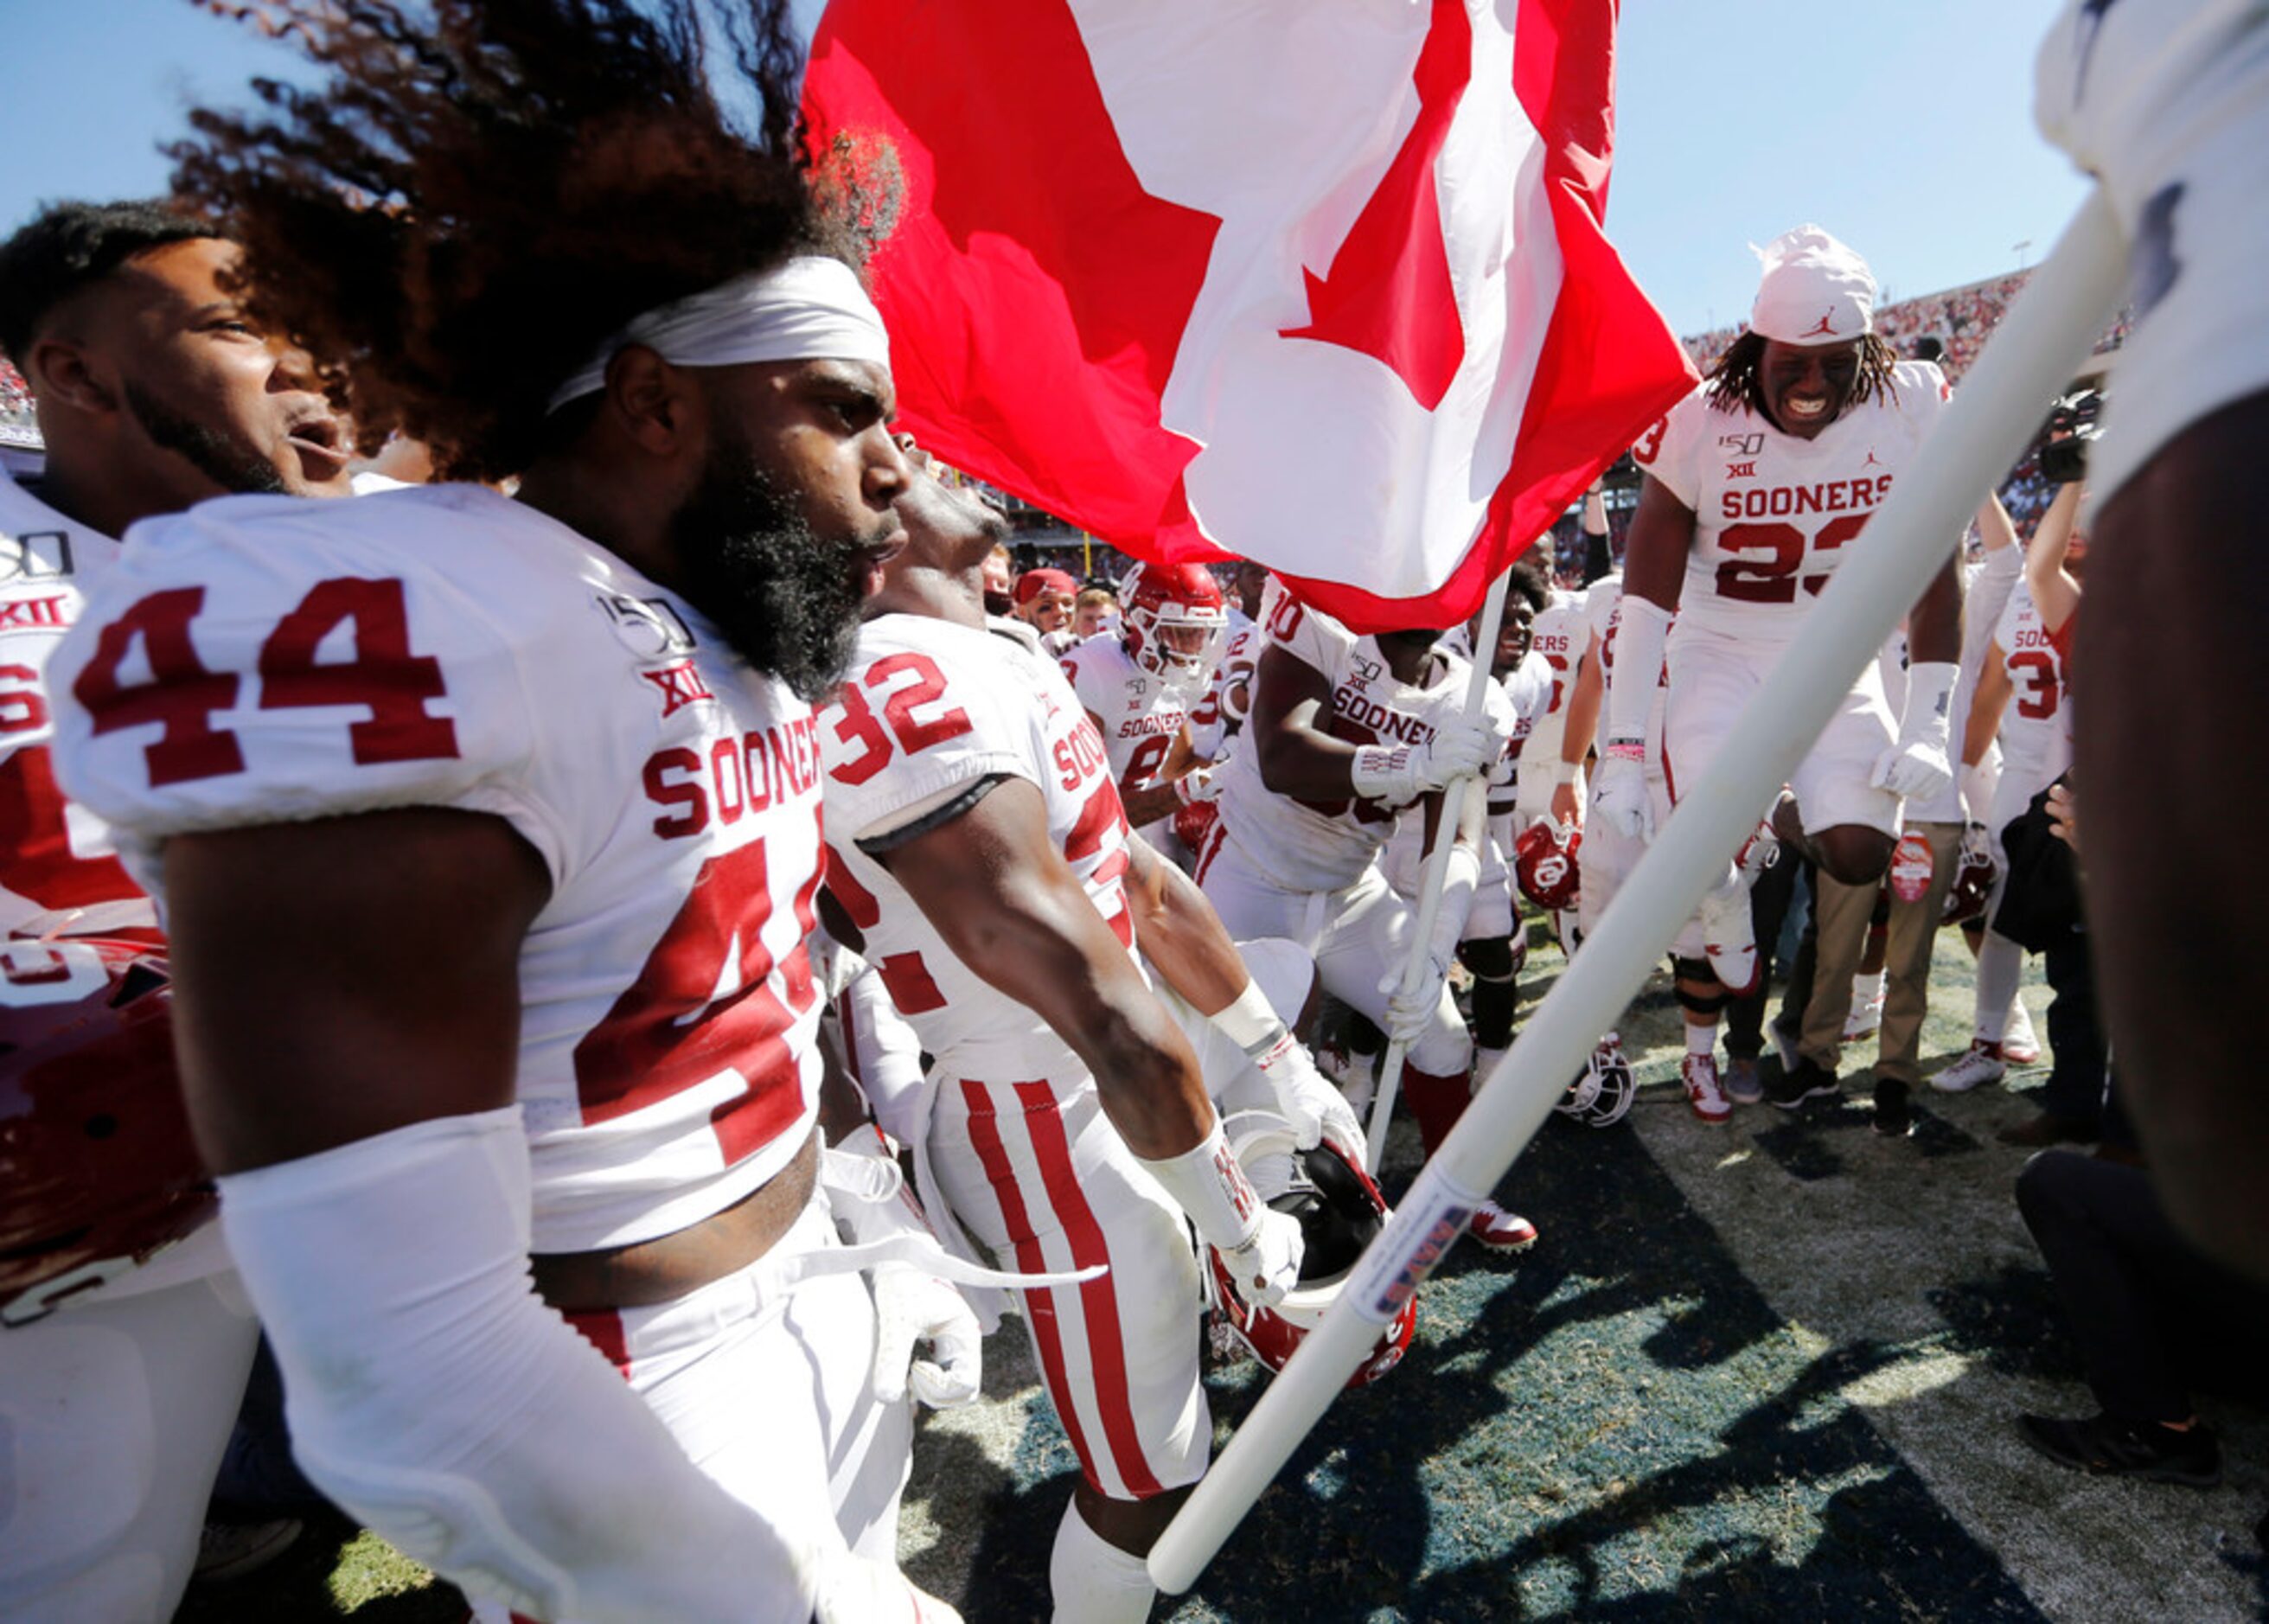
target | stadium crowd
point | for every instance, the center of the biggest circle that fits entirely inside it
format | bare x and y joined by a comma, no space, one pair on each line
555,1010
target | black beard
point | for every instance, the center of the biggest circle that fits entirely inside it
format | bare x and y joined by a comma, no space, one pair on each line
1000,603
229,463
785,601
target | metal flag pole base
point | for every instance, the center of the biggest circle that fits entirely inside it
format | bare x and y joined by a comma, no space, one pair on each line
2047,332
1436,874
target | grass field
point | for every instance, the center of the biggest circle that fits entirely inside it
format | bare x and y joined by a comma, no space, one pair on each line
1763,1370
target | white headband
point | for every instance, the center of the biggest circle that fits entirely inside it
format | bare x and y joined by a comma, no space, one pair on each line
1814,292
811,308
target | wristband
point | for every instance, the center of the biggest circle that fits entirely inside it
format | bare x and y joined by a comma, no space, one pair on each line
1624,749
1565,772
1207,1184
1250,1020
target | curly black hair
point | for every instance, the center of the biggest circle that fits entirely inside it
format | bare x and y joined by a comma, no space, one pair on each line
69,246
479,192
1738,379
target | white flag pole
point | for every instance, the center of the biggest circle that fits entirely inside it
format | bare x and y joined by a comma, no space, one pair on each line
2047,332
1455,799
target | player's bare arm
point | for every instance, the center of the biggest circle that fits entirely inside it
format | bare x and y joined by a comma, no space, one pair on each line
2048,577
297,1035
997,888
1654,554
1986,705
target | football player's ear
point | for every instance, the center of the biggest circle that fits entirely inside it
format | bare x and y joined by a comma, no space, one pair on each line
64,372
658,405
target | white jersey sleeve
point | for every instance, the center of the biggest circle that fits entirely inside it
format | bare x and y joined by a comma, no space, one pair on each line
930,712
261,658
1672,451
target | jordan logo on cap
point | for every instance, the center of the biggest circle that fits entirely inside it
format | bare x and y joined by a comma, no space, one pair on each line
1825,327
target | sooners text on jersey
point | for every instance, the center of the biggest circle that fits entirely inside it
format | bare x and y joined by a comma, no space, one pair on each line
1317,845
1772,512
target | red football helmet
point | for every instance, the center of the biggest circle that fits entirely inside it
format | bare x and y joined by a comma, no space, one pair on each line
1194,822
1174,619
1974,875
1544,862
97,1168
1341,1211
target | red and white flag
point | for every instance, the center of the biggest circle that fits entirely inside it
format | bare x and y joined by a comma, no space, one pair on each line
1318,283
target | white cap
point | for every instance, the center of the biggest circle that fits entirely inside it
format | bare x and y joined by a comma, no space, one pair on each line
1815,291
811,308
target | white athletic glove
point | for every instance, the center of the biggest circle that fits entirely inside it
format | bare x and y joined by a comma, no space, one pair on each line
1198,783
1408,1015
1620,797
1316,1110
1259,1246
1917,767
1267,1264
1398,774
854,1590
912,1307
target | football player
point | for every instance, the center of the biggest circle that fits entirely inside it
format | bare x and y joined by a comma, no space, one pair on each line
1137,688
1755,484
155,389
1344,733
2166,102
488,829
978,848
1490,945
1044,602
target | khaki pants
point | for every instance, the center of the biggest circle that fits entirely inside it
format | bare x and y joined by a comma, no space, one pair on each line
1841,912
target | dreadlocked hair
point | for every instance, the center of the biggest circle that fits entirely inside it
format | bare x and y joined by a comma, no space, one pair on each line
479,192
1736,379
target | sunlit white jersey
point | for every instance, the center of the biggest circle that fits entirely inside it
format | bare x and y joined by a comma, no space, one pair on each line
1772,512
1324,843
1558,640
2036,727
260,659
930,709
1526,689
56,855
1216,718
1141,714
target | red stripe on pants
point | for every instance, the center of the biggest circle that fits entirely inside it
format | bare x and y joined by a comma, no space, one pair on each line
1039,1306
1098,1297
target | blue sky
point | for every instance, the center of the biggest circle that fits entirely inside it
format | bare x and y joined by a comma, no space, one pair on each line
1905,129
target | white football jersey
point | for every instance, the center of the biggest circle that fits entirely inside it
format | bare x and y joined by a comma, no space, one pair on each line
1558,640
1772,512
260,658
1322,845
56,856
929,708
2036,731
1216,718
1531,689
1141,715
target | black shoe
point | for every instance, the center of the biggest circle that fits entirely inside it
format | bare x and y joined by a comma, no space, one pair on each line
2112,1448
1804,1081
2050,1127
1893,1119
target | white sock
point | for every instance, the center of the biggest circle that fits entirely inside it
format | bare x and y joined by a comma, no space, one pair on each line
1485,1063
1702,1040
1093,1580
1867,989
